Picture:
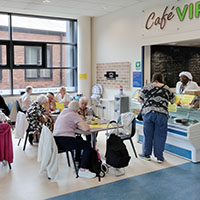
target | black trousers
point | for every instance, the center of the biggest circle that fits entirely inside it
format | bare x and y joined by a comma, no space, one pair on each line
70,143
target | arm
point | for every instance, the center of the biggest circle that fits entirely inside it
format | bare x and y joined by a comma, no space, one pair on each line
82,125
26,102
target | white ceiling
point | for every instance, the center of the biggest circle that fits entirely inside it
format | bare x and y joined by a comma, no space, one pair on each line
71,8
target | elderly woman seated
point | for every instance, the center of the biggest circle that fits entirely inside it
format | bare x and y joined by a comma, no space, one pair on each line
63,97
51,104
64,134
85,112
36,116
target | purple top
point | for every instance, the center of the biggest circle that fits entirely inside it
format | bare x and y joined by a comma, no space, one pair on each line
66,123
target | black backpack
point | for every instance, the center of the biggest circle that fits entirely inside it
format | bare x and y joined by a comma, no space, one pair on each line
116,153
95,164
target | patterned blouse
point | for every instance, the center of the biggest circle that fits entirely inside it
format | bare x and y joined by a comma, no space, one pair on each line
33,113
159,101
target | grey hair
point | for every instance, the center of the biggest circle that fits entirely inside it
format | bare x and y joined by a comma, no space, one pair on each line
74,106
83,99
28,88
42,99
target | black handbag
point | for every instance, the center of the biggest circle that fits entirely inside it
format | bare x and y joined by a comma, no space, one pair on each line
139,116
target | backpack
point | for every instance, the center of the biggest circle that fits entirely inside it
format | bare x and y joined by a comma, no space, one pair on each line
95,164
116,153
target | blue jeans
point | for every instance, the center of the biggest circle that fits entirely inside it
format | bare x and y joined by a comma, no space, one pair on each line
155,134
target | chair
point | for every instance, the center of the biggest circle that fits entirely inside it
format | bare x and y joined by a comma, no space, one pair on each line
129,137
10,104
18,107
67,155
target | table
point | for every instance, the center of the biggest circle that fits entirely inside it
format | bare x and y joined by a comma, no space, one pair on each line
94,129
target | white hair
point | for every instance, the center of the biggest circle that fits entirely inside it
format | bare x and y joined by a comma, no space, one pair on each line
42,99
83,99
29,88
74,106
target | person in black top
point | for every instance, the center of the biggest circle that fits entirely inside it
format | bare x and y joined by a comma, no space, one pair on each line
4,107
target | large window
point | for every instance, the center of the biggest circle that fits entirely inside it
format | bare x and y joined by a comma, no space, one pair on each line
38,51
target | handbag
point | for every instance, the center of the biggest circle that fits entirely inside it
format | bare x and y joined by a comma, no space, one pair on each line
139,116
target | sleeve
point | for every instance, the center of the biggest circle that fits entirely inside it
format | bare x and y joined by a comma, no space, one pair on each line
67,97
178,84
76,118
4,106
171,96
143,93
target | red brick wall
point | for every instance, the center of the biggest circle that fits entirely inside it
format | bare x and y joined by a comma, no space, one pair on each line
19,75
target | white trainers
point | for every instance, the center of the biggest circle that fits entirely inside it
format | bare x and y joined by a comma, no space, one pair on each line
86,174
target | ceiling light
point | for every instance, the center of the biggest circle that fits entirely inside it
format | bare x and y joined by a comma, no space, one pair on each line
46,1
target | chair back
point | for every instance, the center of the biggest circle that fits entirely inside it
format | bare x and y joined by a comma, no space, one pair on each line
18,106
133,128
10,104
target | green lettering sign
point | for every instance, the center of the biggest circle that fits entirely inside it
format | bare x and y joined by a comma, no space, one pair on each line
181,14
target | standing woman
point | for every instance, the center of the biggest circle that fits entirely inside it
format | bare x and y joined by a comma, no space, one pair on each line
155,117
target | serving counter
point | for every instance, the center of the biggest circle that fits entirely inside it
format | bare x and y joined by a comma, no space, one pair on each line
183,138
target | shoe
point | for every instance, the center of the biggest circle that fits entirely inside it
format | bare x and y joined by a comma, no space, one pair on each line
30,138
86,174
159,161
145,157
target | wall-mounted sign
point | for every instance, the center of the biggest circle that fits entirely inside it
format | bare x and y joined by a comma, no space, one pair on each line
137,79
83,76
111,75
192,10
138,65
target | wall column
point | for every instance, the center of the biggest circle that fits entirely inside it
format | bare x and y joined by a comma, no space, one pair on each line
84,56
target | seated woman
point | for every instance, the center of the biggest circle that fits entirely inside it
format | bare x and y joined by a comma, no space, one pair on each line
51,105
84,111
37,116
26,99
4,107
64,134
63,97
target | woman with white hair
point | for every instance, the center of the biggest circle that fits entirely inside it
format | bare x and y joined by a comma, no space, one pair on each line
63,97
185,83
36,116
64,134
26,98
83,109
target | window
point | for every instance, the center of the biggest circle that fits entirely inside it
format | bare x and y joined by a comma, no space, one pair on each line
42,52
33,56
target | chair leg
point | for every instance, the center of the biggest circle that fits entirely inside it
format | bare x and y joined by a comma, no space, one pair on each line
76,169
68,158
9,165
25,141
133,148
19,141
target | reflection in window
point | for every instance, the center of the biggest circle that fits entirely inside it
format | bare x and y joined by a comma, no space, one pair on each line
33,56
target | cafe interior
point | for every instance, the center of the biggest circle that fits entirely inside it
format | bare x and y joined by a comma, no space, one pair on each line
97,55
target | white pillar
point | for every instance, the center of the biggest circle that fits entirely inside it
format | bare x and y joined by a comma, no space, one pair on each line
84,56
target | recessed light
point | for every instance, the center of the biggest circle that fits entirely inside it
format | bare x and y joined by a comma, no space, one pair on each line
46,1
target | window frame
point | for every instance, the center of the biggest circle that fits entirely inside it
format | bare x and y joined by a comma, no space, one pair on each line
38,70
11,44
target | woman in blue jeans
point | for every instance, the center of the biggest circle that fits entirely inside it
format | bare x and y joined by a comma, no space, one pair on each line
156,96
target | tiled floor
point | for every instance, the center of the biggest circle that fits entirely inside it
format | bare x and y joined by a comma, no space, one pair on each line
25,182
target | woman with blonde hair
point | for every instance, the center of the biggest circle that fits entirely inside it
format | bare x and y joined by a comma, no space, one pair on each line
63,97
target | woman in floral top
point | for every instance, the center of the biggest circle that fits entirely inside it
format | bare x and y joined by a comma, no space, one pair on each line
155,116
37,116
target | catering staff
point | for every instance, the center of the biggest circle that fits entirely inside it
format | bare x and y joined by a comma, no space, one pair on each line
185,83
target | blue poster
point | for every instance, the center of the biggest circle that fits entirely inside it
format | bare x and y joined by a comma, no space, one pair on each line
137,79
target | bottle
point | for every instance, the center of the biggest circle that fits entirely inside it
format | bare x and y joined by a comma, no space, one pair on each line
121,90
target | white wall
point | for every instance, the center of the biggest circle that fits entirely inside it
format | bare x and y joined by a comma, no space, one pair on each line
119,36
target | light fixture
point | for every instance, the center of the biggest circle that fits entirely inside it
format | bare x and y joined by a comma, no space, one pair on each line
46,1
